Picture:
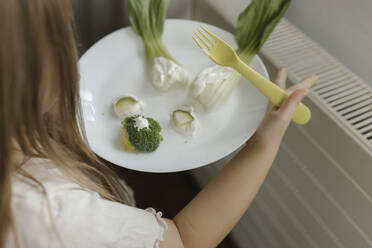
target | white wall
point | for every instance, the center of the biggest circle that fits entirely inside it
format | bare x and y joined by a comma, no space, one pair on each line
342,27
180,9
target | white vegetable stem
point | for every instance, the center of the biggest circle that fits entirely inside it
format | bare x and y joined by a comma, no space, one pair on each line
167,74
213,86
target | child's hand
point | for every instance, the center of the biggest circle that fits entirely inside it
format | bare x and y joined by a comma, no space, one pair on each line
277,119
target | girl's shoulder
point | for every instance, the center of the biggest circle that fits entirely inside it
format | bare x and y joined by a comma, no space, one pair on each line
37,177
50,201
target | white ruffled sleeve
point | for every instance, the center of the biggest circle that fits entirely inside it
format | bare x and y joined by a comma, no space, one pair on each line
83,219
161,222
90,221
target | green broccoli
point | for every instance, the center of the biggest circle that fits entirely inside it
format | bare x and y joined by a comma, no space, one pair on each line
143,140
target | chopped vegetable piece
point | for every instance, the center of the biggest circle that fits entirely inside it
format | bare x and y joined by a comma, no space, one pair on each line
127,106
146,139
184,122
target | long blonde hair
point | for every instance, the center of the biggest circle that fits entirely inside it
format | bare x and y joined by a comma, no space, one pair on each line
34,33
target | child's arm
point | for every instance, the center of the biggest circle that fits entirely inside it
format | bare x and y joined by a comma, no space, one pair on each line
212,214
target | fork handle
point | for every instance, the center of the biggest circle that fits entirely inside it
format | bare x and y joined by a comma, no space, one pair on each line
274,93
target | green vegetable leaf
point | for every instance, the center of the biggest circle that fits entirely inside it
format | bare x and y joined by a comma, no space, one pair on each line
256,23
147,18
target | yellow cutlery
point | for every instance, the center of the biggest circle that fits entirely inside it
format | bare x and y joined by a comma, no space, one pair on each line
223,54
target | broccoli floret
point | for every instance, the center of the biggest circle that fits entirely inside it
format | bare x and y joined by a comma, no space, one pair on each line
143,140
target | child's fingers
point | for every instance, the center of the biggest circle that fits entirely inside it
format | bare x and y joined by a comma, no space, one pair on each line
281,77
306,83
288,108
280,80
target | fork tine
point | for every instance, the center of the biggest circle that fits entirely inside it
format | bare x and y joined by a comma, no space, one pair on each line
199,45
206,37
210,33
202,40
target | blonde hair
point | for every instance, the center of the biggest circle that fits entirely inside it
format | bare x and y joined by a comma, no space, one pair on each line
38,34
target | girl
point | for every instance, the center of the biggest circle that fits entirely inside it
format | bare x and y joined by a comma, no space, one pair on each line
55,192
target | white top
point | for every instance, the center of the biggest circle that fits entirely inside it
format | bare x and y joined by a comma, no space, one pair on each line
81,217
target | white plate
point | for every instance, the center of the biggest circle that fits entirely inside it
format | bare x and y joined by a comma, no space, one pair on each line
116,66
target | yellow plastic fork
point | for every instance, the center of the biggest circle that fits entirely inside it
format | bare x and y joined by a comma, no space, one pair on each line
223,54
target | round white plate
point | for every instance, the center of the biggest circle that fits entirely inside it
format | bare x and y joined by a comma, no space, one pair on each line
116,66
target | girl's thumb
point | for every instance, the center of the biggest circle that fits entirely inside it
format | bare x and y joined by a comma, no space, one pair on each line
288,108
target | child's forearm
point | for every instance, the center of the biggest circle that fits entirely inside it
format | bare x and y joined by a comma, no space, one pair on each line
212,214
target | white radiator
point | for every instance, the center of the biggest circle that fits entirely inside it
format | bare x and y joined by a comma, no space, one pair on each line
319,191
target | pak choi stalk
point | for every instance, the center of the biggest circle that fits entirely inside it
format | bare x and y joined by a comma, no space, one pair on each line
147,18
214,85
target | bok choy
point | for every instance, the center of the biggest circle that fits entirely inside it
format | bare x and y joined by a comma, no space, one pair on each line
147,18
215,84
